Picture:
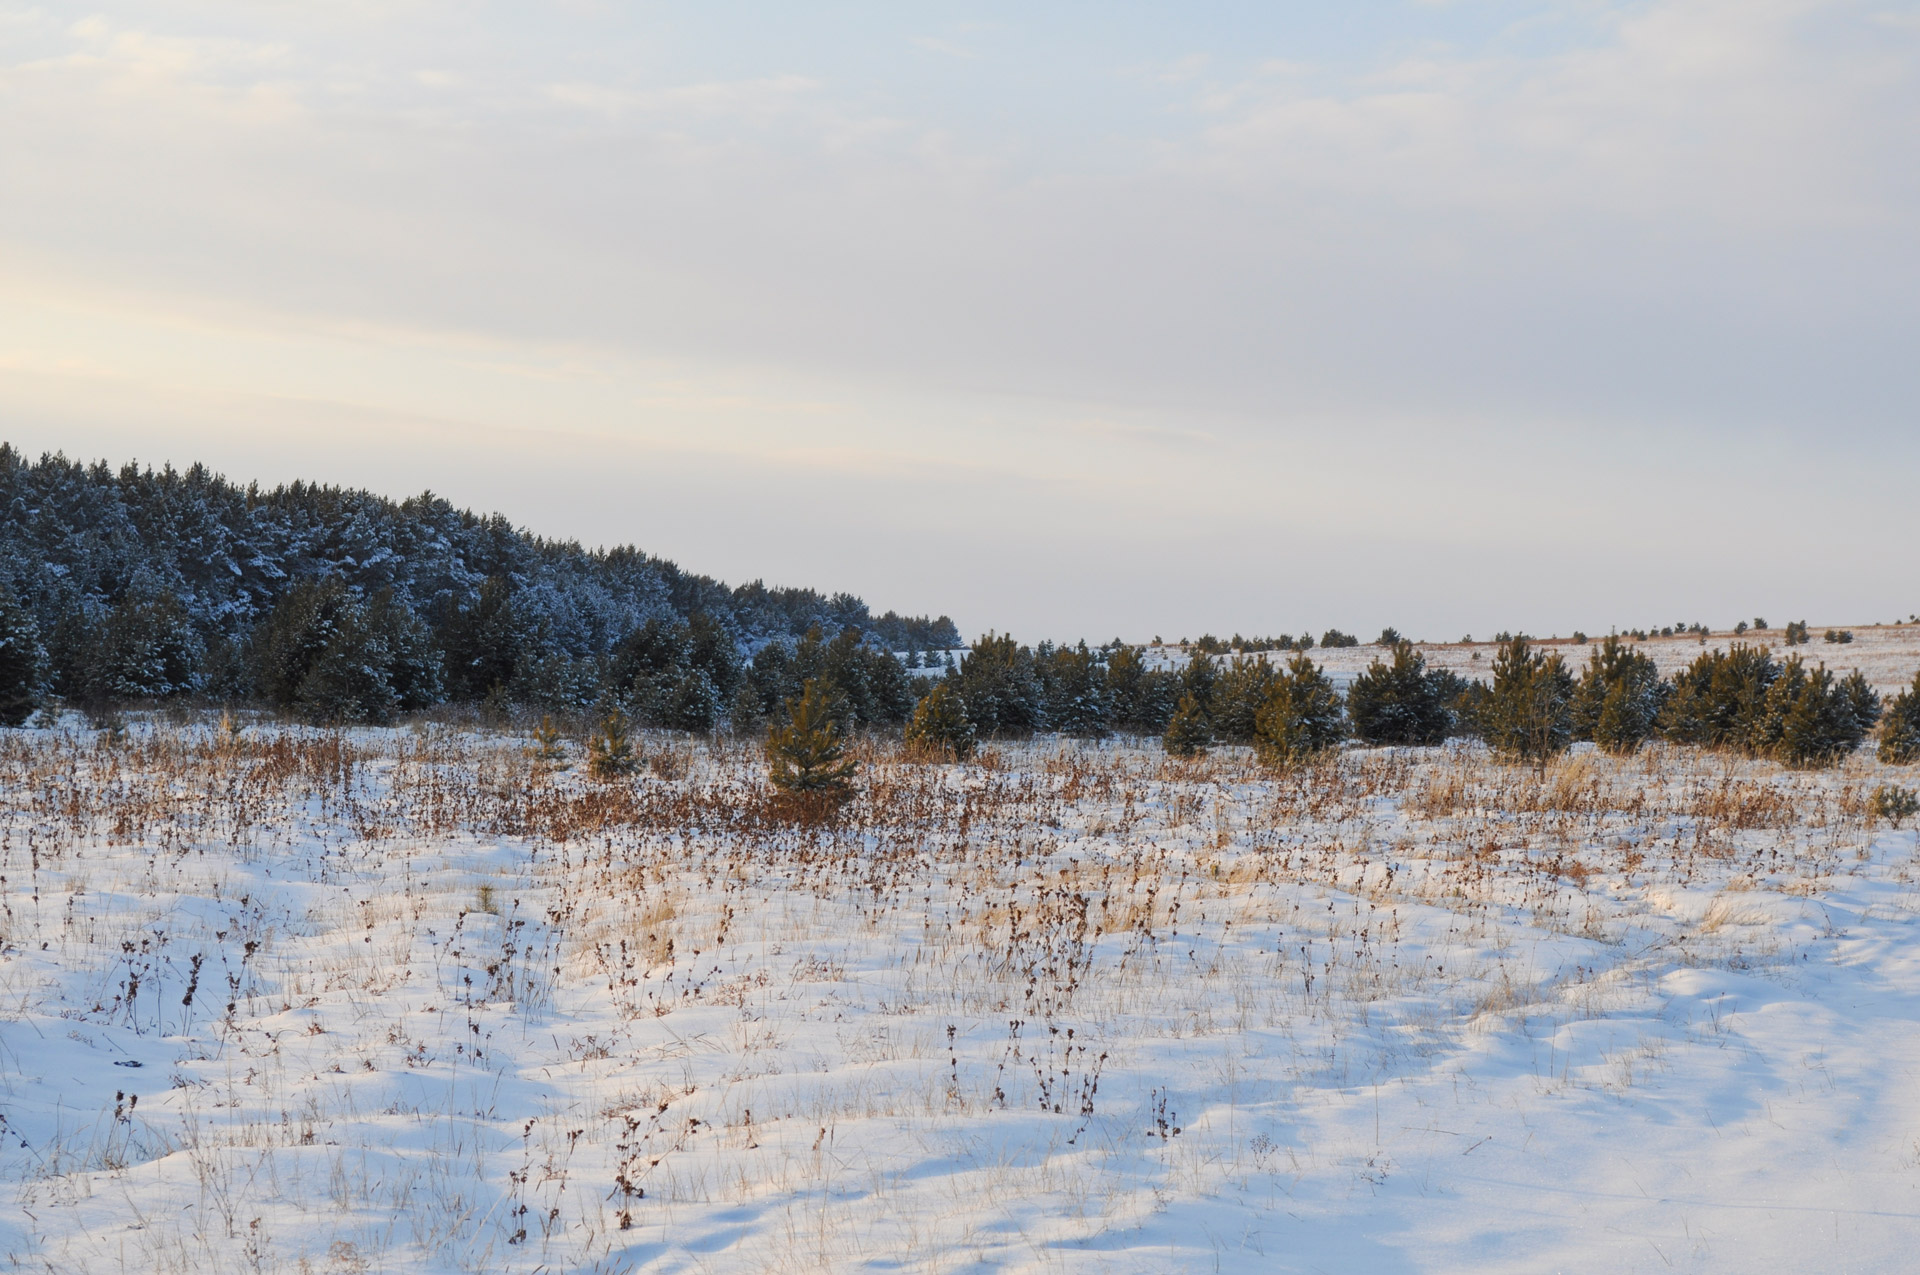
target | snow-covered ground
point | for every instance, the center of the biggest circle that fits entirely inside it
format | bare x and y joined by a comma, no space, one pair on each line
394,1001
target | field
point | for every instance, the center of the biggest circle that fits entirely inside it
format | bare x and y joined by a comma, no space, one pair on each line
400,1000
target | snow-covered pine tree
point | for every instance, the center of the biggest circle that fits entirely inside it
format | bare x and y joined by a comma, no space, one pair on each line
808,756
1189,731
1900,727
1618,699
1303,718
22,662
940,724
1528,711
1399,703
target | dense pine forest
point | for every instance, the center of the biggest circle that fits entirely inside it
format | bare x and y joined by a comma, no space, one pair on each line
137,585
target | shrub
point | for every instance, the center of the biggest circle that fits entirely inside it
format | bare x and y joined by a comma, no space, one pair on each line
1335,638
940,724
810,766
1894,803
1797,633
1618,699
1400,703
1389,638
1900,728
1190,732
21,662
610,752
1528,711
1839,637
1302,718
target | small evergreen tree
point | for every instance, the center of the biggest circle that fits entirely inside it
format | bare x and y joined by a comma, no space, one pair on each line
1528,713
810,765
549,752
1302,719
610,751
1900,728
940,724
1399,703
1189,732
1720,700
1809,721
1619,698
21,662
1862,700
349,683
1239,692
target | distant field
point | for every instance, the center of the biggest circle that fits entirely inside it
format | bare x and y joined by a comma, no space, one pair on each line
1888,654
393,1001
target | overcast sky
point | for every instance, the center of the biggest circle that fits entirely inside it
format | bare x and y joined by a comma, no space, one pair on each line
1107,319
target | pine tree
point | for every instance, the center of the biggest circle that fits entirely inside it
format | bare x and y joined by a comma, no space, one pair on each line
549,752
1619,698
1190,731
1528,712
1809,721
1399,703
810,766
349,683
1900,728
1302,719
610,752
1238,695
940,724
1862,700
21,662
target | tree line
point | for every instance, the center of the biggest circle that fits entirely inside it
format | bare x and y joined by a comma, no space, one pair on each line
1531,708
137,585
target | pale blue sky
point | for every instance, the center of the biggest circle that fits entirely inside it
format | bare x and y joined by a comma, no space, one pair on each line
1071,318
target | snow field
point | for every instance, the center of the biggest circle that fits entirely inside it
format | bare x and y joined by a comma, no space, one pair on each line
396,1000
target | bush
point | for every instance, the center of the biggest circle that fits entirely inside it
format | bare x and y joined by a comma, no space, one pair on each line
610,752
1619,698
1389,638
1400,703
1839,637
1302,718
940,724
21,662
1797,633
1894,803
1335,638
1528,712
1900,728
810,767
1189,732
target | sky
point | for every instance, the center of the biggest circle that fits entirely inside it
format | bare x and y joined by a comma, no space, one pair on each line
1067,320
